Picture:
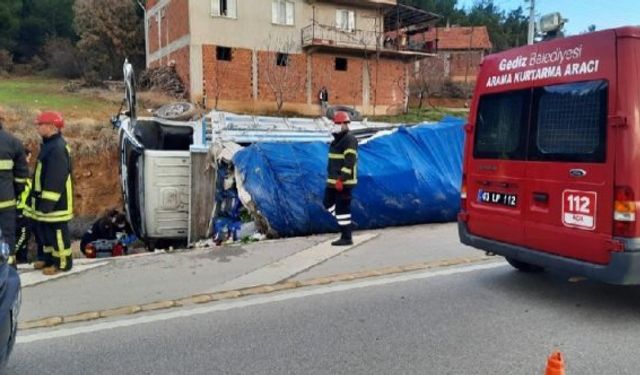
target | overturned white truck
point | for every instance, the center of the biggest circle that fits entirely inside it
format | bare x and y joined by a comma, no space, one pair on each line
168,171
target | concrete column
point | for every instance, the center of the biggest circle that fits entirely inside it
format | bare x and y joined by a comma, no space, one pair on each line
366,84
309,79
254,74
196,71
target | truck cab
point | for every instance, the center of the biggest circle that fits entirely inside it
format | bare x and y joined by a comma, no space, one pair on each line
549,174
154,170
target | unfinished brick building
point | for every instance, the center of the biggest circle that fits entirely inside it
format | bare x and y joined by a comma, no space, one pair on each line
461,48
249,55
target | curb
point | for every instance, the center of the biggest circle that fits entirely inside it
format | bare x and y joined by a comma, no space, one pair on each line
198,299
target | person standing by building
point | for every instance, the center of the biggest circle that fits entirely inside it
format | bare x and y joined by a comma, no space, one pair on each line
323,96
14,173
51,200
342,176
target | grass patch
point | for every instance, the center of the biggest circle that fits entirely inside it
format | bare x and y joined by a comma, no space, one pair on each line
87,111
416,116
48,94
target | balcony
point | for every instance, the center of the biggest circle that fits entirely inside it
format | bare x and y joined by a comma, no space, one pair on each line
317,37
403,35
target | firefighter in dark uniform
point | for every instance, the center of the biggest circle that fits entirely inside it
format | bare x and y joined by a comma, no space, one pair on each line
23,223
342,170
14,173
51,200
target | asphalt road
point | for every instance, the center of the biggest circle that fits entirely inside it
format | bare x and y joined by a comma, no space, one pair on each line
481,319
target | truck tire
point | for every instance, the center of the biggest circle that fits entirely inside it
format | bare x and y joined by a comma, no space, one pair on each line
523,266
180,111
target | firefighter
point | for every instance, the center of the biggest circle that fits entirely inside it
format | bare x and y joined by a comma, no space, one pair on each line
14,174
23,226
342,171
51,199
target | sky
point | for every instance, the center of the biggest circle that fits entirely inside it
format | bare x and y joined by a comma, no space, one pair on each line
605,14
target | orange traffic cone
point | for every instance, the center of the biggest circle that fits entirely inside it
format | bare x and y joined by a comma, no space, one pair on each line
555,364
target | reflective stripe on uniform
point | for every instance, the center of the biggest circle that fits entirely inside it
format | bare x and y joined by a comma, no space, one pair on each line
344,222
37,186
344,217
336,156
331,180
7,204
346,170
62,252
21,180
354,180
6,164
55,216
48,218
350,151
24,196
20,243
51,195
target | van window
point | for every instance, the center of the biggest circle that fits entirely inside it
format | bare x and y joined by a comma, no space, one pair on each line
501,125
569,122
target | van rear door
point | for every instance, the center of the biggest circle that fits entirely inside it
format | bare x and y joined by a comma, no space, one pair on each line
495,171
571,152
569,209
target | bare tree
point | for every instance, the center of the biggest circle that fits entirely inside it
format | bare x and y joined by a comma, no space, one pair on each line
427,79
283,73
401,83
222,68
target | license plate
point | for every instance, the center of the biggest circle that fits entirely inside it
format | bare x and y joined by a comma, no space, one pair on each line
503,199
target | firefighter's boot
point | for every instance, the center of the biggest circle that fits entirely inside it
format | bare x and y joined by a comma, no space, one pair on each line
345,239
50,271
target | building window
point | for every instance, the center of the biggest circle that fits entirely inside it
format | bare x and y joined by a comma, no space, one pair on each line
224,8
282,12
282,59
341,64
346,20
223,53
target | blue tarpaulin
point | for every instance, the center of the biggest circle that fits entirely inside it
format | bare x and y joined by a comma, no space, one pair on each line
410,176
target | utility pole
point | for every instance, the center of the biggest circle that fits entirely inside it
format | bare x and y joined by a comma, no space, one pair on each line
532,21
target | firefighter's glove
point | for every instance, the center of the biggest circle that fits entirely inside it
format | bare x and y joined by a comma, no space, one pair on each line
339,185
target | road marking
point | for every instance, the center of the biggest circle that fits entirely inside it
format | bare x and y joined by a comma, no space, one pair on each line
255,301
292,265
52,321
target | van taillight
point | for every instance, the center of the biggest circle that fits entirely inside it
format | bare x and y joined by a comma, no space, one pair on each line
463,193
624,212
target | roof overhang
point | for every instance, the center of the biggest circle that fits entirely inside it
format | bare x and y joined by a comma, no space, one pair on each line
410,19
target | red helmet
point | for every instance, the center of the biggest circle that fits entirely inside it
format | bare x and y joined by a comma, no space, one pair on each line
50,117
341,117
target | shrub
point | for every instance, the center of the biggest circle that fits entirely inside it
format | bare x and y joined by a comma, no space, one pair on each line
6,61
63,58
455,90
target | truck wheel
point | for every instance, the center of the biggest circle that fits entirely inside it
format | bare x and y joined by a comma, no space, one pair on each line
180,111
524,267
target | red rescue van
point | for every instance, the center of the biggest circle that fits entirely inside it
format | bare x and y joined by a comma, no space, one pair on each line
552,157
